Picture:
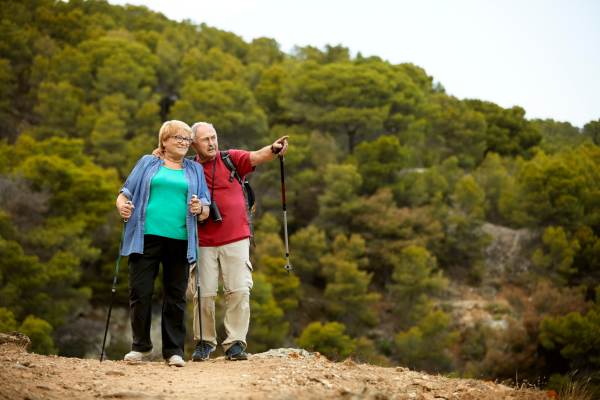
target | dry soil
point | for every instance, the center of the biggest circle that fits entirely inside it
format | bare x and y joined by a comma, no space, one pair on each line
26,375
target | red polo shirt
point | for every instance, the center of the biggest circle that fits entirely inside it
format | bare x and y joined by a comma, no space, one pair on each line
229,197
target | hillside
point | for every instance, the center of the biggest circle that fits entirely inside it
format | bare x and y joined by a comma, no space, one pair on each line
450,235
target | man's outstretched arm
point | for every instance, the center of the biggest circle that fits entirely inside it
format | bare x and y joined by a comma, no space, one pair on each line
265,154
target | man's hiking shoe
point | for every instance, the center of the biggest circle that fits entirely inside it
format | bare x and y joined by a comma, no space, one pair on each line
202,351
176,361
236,352
136,355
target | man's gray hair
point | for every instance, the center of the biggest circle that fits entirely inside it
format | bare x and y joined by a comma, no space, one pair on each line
195,127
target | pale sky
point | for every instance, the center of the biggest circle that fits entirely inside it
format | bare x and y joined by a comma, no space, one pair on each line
542,55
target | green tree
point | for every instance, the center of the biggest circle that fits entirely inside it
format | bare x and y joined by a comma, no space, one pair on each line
7,320
120,66
416,273
59,107
419,187
326,339
592,130
213,65
587,260
15,46
355,99
229,106
493,177
286,288
29,286
348,286
108,140
557,255
555,190
38,332
339,203
469,198
576,336
267,329
7,85
330,54
389,229
508,132
265,51
268,91
308,245
558,135
464,241
454,130
380,161
226,41
69,65
426,345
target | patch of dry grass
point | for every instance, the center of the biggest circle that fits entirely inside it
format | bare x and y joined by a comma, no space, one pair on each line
577,390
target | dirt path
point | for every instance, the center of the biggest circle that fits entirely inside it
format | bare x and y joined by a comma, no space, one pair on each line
31,376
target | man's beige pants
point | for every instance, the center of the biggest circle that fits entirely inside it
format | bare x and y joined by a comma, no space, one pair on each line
233,261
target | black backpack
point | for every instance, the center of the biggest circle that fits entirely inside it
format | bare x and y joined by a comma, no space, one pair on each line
248,192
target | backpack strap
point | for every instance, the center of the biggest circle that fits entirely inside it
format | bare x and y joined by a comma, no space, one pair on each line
230,166
234,173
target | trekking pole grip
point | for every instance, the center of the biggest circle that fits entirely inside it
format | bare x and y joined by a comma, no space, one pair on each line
195,215
127,202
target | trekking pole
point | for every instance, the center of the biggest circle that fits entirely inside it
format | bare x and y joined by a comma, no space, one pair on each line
112,294
198,277
288,267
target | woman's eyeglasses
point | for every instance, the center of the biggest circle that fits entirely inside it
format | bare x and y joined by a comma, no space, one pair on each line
181,139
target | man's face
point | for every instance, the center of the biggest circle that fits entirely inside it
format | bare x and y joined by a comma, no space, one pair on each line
206,143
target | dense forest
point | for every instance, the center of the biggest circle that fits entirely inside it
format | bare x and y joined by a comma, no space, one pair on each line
396,192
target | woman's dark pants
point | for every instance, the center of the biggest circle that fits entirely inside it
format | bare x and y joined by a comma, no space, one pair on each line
143,269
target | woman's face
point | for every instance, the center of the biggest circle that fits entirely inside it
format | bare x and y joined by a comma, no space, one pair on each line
177,147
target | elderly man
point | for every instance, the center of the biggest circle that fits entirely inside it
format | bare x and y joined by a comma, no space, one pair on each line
224,245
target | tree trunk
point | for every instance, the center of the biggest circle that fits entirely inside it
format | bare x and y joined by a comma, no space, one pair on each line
351,140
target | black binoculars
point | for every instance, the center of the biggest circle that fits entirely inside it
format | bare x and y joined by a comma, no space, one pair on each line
214,212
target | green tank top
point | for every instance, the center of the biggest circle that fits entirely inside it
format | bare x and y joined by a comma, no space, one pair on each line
167,206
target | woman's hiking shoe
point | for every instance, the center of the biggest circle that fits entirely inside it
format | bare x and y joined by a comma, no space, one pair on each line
236,352
202,351
136,355
176,361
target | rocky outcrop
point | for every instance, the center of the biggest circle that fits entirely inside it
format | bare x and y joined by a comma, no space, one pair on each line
17,338
504,256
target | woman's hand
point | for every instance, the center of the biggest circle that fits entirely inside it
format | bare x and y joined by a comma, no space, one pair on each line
196,206
124,206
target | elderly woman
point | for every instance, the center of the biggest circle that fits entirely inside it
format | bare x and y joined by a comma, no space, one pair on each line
160,229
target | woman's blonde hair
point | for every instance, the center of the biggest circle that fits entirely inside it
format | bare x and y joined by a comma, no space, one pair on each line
173,127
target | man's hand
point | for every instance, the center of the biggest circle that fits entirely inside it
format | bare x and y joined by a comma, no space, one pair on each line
266,153
282,144
158,153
